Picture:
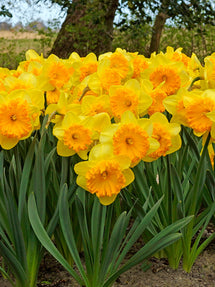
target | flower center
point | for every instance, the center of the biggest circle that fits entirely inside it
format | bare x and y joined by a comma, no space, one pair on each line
87,70
109,77
75,136
104,174
13,117
128,103
129,141
140,64
157,105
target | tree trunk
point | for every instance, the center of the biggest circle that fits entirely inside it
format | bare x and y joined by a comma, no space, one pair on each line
87,28
157,29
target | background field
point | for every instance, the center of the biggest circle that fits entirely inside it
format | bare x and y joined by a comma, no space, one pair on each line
200,41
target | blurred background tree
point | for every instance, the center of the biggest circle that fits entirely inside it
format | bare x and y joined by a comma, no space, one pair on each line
5,12
89,24
100,25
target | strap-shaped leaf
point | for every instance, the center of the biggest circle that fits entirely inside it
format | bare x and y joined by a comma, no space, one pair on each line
45,239
67,229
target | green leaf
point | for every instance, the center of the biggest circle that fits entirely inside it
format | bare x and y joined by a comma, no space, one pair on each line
27,169
116,238
178,190
132,238
65,221
15,226
143,254
14,263
45,239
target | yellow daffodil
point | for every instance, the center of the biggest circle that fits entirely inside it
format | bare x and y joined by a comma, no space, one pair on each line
175,106
113,69
55,73
33,63
85,67
166,74
76,133
19,115
157,95
208,72
58,111
129,97
104,174
91,105
24,81
104,78
130,137
200,110
177,56
167,134
120,62
140,63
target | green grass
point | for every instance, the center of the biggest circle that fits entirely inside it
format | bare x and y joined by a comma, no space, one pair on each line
13,50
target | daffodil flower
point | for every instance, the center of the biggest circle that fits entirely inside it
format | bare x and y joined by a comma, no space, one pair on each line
200,110
129,97
19,115
166,74
76,134
130,137
104,174
167,134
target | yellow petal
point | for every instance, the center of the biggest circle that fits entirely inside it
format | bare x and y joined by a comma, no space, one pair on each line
81,181
154,145
129,176
107,135
81,168
101,151
8,143
101,121
133,84
107,200
63,150
176,144
128,117
159,118
83,154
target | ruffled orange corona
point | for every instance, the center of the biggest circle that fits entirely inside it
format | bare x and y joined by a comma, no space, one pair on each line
19,116
15,121
167,77
199,110
104,174
131,140
167,134
77,137
105,179
130,137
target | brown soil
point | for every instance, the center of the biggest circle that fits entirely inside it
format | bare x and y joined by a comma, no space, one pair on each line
160,274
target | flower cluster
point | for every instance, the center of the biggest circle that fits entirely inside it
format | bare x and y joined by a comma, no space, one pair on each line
111,111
